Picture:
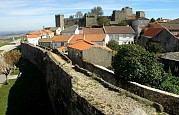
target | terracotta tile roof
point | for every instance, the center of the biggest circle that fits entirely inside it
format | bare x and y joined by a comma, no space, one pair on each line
155,25
45,40
177,35
170,26
93,30
118,30
75,38
40,32
132,18
62,48
152,31
61,38
32,36
94,37
84,44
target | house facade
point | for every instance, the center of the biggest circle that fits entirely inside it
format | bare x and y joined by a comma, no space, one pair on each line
161,35
85,50
121,34
47,42
138,23
33,37
59,41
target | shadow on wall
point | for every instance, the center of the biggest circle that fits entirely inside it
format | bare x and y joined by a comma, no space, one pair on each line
29,96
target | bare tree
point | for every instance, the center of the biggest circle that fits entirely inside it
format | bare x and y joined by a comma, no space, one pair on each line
5,68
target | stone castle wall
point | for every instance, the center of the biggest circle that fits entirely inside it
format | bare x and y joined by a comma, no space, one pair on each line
169,101
65,101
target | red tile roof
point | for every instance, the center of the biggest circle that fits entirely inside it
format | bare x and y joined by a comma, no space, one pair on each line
94,37
32,36
155,25
40,32
93,30
118,30
84,44
152,31
76,38
61,38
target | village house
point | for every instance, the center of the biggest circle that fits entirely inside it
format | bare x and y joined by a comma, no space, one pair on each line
59,41
33,37
121,34
47,42
172,27
90,52
56,30
160,35
72,30
138,23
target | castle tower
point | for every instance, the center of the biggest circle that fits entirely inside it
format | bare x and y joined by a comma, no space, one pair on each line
140,14
59,20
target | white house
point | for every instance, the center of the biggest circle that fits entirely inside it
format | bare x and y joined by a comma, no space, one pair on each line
33,37
59,41
121,34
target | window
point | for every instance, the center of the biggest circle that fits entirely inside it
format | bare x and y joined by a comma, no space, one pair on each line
62,44
124,35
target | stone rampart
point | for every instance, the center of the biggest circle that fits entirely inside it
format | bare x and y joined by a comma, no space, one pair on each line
169,101
64,99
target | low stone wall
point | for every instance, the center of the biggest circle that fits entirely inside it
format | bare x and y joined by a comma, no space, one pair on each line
169,101
65,101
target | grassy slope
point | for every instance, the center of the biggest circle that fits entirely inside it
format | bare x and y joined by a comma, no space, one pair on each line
4,92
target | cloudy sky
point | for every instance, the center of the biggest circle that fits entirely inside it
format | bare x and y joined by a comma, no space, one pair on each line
34,14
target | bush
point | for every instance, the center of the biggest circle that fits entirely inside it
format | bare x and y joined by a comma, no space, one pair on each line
134,63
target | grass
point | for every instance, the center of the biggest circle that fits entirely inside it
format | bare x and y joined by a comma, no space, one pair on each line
2,43
4,92
1,51
28,95
15,72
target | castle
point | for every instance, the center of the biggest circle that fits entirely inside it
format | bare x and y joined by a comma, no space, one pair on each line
90,20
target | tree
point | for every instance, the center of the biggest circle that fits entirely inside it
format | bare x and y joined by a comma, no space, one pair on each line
154,47
71,16
97,10
134,63
122,23
113,45
103,21
79,15
12,57
5,68
8,61
152,20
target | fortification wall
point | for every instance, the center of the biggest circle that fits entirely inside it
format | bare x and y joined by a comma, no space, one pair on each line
169,101
65,101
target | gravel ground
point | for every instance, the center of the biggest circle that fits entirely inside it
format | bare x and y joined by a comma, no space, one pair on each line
109,102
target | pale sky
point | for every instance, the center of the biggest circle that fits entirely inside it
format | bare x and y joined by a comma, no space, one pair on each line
34,14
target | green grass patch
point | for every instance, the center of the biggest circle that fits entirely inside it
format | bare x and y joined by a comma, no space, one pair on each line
4,92
1,51
15,72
